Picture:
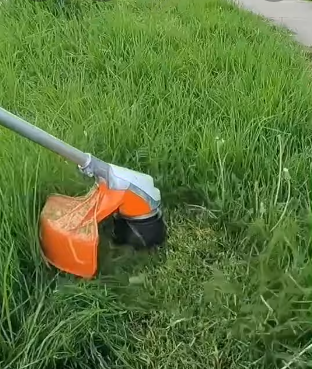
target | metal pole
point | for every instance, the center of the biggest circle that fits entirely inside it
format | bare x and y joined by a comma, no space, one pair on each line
43,138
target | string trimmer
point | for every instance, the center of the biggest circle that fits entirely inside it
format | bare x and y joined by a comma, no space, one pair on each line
69,225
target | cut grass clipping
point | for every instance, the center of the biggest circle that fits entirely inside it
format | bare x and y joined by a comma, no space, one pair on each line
216,105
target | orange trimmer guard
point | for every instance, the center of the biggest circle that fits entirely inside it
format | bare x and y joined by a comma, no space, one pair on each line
69,229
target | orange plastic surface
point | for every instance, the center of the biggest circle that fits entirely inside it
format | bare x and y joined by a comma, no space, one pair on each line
69,226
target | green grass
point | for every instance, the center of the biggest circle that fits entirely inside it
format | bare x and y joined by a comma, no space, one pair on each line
216,105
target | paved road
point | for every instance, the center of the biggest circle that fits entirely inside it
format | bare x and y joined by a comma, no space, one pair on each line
296,15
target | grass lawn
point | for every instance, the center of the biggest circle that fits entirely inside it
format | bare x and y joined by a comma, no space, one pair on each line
216,105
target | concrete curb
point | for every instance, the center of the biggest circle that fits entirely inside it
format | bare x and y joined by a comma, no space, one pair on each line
296,15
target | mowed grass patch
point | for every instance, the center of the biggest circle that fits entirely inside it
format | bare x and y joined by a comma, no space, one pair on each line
216,106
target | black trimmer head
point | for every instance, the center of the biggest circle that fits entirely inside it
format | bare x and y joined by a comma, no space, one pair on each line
140,233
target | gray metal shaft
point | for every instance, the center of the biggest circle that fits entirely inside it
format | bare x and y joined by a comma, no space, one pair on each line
41,137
